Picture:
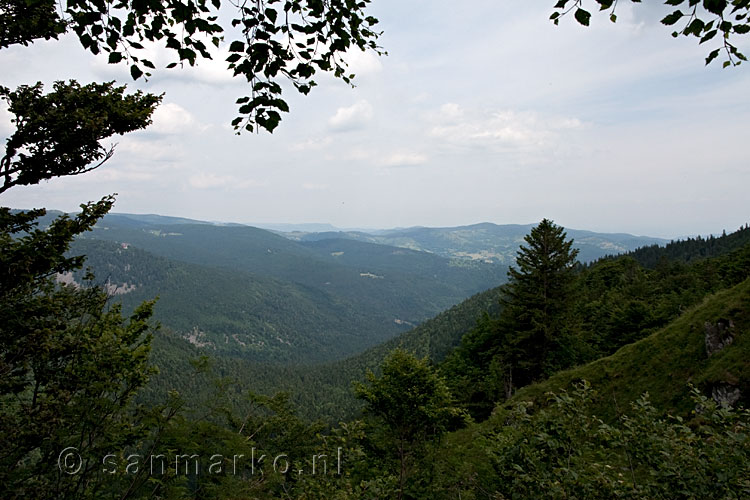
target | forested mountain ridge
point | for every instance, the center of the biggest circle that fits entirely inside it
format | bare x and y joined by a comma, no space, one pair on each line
265,253
248,292
630,303
692,249
235,313
617,303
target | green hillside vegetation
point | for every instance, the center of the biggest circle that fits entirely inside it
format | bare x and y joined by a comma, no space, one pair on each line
664,363
319,391
692,249
625,425
264,317
637,424
612,303
617,299
236,313
325,391
402,289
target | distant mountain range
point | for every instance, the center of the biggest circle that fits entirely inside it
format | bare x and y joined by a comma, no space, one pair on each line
488,242
485,242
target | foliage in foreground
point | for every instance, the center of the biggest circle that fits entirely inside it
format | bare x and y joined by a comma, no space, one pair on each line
566,451
69,365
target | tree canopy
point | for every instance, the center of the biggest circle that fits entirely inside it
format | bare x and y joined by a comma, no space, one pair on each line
59,133
269,41
703,20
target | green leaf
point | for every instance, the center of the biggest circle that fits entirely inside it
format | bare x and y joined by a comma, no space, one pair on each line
135,72
583,16
708,36
715,6
237,46
672,18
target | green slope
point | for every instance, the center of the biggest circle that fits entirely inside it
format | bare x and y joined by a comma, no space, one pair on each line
692,249
663,363
322,391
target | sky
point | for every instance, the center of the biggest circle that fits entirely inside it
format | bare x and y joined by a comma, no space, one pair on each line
482,111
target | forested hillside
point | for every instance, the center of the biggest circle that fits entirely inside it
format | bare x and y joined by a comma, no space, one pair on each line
616,303
247,292
641,423
235,313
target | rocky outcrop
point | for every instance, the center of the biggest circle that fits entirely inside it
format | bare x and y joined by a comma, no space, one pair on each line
725,395
718,335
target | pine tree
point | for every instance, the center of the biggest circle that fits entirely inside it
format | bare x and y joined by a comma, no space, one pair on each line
534,322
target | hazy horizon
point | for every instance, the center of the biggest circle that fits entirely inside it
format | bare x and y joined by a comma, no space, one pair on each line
277,225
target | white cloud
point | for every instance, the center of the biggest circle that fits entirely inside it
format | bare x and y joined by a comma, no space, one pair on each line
404,159
312,186
135,148
505,129
171,118
312,144
362,62
352,117
122,174
450,111
205,180
6,125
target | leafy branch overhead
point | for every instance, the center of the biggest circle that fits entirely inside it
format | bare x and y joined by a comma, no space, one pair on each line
270,41
59,133
702,19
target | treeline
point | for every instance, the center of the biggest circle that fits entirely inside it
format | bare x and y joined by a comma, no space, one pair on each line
692,248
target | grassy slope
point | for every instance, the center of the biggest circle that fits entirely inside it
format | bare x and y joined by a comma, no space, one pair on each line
666,361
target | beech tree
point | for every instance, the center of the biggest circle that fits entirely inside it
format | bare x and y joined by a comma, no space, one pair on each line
411,405
269,41
60,133
706,20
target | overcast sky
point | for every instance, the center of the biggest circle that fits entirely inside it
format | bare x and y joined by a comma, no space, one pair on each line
483,112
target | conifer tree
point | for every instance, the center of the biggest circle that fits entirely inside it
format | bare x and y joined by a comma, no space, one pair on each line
537,301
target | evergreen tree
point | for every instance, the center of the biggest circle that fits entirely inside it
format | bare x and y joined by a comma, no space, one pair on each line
535,335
